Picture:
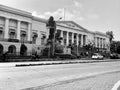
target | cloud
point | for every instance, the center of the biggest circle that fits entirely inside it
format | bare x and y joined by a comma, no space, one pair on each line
92,16
60,13
72,13
56,14
76,13
77,4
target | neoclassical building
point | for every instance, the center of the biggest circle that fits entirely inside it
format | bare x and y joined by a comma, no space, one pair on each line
17,27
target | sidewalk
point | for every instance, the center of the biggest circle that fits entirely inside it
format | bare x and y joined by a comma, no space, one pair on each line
35,63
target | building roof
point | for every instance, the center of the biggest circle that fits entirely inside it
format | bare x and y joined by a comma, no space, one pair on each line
15,11
71,24
68,24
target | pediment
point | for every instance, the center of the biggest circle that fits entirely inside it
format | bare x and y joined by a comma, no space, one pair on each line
71,24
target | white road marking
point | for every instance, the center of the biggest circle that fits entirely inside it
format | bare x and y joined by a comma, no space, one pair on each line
115,87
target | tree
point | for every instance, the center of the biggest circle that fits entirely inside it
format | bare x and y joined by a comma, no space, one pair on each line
23,49
110,34
115,47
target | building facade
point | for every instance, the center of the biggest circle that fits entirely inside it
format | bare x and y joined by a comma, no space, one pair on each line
17,27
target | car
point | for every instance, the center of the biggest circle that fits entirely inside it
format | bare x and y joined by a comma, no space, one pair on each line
97,56
114,56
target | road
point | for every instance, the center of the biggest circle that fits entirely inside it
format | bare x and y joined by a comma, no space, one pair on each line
100,82
16,78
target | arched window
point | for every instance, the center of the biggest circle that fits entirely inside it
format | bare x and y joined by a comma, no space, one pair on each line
12,49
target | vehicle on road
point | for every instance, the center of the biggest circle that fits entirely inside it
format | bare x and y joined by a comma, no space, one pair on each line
114,56
97,56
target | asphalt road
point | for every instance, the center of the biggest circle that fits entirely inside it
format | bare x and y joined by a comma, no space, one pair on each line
99,82
16,78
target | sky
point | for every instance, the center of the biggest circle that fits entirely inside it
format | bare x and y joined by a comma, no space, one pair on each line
94,15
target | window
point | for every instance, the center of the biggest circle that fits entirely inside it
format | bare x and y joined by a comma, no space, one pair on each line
43,39
12,49
23,36
84,39
65,41
1,32
34,37
12,34
98,42
79,43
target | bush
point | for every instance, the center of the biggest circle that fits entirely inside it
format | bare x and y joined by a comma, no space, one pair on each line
65,56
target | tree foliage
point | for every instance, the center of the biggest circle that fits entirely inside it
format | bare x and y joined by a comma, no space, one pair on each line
110,34
115,47
23,49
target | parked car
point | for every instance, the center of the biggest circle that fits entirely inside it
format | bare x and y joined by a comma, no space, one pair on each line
97,56
114,56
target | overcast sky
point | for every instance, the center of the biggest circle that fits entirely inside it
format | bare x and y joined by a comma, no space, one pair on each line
94,15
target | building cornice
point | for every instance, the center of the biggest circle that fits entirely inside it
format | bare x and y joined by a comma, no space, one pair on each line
15,11
100,33
39,19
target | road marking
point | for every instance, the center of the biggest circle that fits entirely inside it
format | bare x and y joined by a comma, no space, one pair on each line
116,86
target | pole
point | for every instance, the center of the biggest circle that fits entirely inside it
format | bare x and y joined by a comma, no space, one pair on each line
64,14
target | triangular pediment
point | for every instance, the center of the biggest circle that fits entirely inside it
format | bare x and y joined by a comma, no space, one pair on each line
71,24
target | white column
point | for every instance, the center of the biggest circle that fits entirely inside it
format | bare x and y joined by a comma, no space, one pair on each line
105,43
102,43
72,38
47,32
86,39
18,30
77,36
29,31
6,28
95,41
99,43
67,37
81,40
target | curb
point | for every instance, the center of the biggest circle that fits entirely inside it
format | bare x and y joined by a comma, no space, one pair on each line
67,62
